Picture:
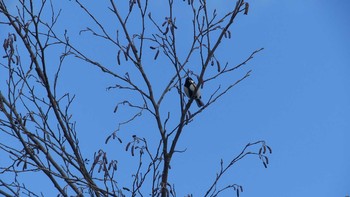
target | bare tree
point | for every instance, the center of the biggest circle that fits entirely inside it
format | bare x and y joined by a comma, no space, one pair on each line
37,130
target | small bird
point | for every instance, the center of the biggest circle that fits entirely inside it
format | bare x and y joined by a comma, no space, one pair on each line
189,88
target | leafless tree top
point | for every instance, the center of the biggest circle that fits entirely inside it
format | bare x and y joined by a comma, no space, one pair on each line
36,118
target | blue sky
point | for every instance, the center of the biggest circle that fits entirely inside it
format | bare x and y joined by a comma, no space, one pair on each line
297,99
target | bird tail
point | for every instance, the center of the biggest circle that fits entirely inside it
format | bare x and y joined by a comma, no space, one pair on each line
199,103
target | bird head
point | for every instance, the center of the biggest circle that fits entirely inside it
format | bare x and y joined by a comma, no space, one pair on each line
189,80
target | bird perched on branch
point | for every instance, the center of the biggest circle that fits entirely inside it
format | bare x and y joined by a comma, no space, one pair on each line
190,88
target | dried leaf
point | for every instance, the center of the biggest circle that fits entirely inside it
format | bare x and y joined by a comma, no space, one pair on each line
166,31
105,158
157,53
265,165
218,64
107,139
270,150
127,189
267,160
173,25
99,169
17,59
6,43
132,150
127,146
246,8
118,57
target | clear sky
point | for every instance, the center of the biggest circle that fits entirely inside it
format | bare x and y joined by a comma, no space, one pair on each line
297,99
